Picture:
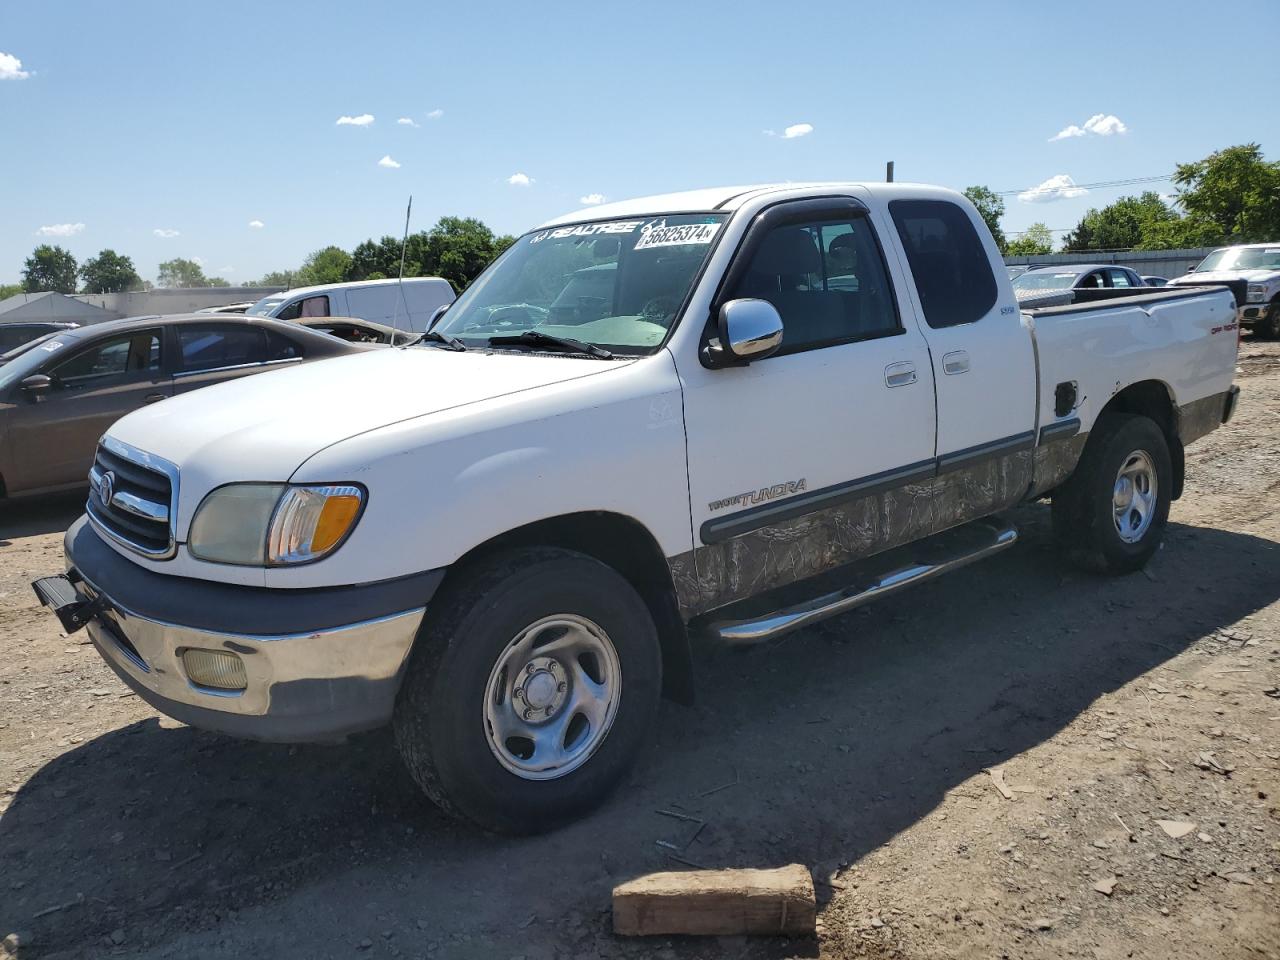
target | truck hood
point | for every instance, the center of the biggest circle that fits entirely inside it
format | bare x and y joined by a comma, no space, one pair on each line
1218,276
263,427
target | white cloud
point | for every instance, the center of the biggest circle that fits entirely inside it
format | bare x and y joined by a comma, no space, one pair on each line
591,199
389,163
791,132
256,224
11,68
520,180
60,230
1061,187
435,114
165,234
406,121
1100,124
361,121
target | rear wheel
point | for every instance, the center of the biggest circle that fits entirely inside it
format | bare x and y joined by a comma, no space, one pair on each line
1109,517
530,691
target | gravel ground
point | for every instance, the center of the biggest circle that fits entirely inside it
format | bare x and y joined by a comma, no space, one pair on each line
862,748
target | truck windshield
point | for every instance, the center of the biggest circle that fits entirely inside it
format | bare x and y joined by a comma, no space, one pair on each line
264,306
617,284
1241,258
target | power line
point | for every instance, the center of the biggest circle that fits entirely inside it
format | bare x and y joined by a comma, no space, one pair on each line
1092,186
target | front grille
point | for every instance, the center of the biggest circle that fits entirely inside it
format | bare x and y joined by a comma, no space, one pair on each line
131,498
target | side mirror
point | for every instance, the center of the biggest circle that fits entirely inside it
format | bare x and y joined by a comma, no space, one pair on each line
37,385
749,330
1191,269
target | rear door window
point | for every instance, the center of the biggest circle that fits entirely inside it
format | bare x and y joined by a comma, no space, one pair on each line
217,346
948,262
1121,278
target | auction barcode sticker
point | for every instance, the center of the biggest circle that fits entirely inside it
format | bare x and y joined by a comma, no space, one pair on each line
664,236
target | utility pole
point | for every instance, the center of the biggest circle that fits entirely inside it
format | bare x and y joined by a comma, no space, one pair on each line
888,172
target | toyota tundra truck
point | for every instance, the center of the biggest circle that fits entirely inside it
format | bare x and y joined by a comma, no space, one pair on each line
720,414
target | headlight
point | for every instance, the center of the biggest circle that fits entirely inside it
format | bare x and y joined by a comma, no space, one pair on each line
1257,291
273,524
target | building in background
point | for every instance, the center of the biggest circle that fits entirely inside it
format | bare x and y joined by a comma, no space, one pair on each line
26,307
168,301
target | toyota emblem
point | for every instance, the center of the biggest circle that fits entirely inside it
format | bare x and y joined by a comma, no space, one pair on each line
107,488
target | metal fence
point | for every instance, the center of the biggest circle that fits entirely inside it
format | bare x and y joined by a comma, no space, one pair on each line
1147,263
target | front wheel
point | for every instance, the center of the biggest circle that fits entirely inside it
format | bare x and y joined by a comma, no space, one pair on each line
1109,517
530,691
1269,326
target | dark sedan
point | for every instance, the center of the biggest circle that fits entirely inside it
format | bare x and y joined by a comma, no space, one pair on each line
59,395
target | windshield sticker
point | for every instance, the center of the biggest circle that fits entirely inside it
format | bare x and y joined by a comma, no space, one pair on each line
51,346
660,235
587,230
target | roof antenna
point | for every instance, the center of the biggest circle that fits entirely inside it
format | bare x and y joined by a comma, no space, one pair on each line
404,246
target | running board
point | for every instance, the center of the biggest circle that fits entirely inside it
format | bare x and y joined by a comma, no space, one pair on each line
906,566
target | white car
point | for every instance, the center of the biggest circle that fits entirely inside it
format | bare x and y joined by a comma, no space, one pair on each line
407,304
1252,268
755,408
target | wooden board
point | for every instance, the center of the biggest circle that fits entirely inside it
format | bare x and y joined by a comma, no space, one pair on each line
718,902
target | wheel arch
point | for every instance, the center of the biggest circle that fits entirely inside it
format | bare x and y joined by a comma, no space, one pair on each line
626,545
1154,400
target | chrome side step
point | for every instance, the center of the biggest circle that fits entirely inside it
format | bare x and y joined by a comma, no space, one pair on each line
977,540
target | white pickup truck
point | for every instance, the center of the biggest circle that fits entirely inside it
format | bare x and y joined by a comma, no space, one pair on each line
726,413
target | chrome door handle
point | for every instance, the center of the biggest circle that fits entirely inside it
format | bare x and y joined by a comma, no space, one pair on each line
900,374
957,361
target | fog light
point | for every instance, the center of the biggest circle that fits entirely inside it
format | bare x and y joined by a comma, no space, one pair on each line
215,668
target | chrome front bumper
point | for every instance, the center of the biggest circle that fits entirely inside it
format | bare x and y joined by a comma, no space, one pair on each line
305,686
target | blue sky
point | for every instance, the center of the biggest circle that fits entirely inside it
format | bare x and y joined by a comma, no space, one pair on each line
136,117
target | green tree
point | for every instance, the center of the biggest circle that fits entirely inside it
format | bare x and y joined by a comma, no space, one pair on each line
1236,191
991,207
9,290
49,268
326,265
181,273
276,278
1124,225
459,248
1035,241
218,282
109,272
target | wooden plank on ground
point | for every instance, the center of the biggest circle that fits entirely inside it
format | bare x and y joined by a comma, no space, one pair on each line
717,902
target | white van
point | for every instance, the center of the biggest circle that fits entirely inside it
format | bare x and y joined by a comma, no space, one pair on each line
408,304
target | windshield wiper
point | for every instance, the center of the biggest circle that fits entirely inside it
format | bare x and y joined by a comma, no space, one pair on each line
448,341
536,338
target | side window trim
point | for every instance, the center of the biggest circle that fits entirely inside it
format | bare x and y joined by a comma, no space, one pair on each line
810,210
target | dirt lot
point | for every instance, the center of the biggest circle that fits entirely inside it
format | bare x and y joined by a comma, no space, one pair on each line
859,748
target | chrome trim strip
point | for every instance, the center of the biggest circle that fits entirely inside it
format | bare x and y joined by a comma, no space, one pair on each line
146,509
183,374
775,624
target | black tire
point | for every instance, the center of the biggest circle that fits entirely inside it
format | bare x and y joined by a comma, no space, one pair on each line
440,720
1268,328
1084,521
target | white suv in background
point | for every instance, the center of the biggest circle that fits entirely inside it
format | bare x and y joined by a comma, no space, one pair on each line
408,304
